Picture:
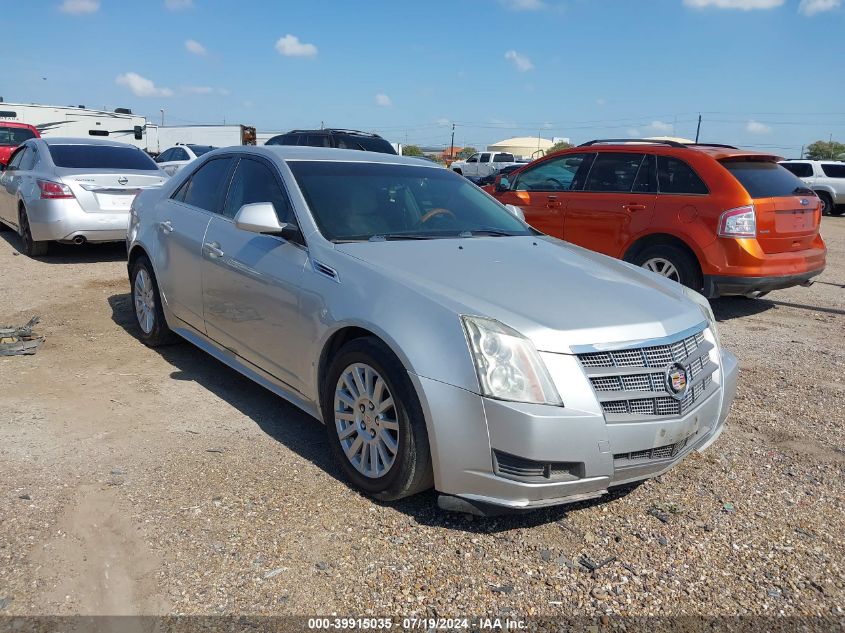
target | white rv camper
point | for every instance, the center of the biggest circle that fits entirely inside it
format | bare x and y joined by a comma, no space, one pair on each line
120,125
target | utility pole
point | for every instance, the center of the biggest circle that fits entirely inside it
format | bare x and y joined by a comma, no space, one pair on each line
452,146
162,116
698,129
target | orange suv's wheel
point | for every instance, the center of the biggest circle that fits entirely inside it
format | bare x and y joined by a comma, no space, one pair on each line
670,262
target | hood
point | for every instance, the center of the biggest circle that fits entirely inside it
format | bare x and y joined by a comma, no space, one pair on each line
556,294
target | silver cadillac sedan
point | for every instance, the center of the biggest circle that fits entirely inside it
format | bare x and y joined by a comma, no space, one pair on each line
442,341
72,190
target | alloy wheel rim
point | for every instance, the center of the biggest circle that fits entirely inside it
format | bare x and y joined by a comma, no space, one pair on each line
663,267
365,418
144,301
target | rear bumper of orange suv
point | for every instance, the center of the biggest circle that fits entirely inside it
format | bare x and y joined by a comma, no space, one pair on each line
741,267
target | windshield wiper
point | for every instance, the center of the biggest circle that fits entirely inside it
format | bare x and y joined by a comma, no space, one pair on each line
486,232
386,237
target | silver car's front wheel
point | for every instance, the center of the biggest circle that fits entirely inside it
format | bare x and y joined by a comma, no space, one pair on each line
374,422
366,420
144,299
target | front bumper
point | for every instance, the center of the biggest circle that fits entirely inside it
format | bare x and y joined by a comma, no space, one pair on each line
718,285
65,220
467,431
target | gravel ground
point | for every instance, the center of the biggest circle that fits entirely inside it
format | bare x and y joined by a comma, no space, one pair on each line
135,481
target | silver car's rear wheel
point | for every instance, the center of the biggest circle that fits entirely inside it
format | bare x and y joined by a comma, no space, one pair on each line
663,267
143,295
366,420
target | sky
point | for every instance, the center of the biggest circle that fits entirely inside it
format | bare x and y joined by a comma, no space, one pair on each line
762,73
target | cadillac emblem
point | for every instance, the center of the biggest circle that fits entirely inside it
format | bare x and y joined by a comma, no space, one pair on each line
676,381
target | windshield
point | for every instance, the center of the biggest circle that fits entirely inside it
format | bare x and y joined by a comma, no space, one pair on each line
101,157
360,201
764,179
199,150
14,136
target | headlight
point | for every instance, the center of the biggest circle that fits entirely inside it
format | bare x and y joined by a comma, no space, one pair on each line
507,364
706,310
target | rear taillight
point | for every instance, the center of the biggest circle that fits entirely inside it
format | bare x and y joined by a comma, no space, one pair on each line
739,222
54,190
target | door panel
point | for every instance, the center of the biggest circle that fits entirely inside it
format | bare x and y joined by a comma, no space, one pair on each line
251,286
542,190
181,231
618,201
10,181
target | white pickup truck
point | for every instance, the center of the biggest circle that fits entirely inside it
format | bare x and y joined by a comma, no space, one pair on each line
482,164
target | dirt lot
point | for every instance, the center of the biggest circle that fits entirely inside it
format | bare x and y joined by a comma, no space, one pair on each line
135,481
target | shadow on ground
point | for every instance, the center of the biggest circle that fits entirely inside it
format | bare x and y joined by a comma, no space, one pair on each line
72,254
307,437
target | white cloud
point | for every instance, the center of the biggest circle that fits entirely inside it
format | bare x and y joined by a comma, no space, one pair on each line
141,86
178,5
523,5
660,126
443,121
195,47
78,7
600,101
755,127
198,90
249,104
742,5
383,100
811,7
290,46
633,132
522,62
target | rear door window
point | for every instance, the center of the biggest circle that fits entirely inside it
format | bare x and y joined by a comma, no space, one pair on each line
833,170
180,154
208,185
485,158
765,179
101,157
317,140
802,170
165,156
676,177
28,161
614,172
646,180
14,136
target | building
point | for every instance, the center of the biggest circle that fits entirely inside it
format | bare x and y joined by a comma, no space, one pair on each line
528,146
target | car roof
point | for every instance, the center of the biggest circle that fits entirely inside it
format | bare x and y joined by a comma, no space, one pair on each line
70,140
17,124
301,152
717,152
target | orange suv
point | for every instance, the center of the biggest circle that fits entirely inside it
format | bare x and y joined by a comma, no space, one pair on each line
718,219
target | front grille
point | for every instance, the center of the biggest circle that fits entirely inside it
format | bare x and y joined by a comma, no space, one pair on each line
661,452
629,388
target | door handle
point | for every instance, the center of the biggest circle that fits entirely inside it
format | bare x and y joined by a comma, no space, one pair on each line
552,202
634,207
166,226
213,249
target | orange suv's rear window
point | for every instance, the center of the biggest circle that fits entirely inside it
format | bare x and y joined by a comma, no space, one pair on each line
765,179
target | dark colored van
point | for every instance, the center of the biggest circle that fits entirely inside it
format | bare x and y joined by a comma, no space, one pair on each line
343,139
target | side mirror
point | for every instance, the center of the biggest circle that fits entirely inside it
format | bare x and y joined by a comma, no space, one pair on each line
516,212
260,217
502,184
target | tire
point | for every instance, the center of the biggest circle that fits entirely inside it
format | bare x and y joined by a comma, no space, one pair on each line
31,247
146,305
828,208
837,210
671,262
401,425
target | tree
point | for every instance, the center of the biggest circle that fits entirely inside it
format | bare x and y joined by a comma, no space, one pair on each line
466,152
411,150
824,150
558,146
